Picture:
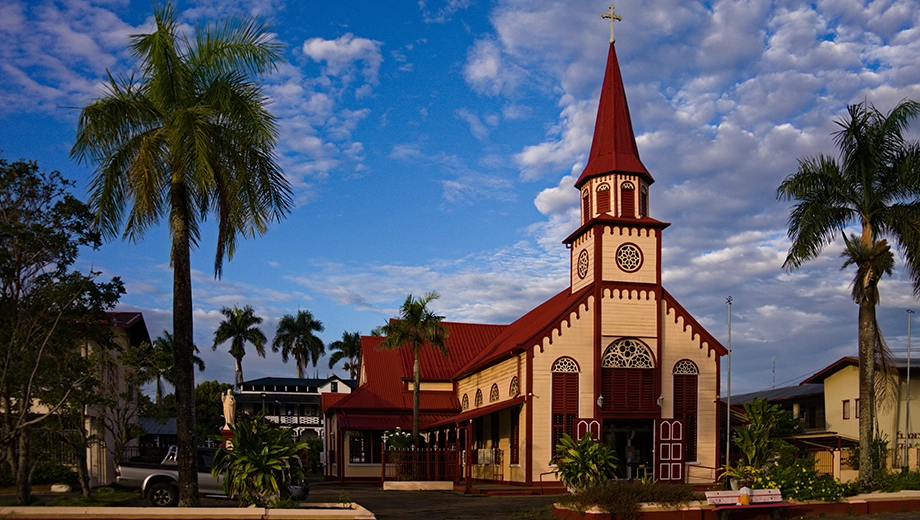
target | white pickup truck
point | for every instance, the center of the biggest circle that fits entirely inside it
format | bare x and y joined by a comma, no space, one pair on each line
159,483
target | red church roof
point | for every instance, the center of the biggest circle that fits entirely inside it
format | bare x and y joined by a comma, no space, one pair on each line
614,146
386,371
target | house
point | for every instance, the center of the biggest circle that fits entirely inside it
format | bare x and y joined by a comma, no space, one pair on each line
290,402
614,354
804,401
898,412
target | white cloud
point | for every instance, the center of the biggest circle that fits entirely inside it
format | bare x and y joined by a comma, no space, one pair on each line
343,54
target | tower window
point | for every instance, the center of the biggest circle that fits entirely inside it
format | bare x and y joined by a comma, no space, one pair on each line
603,198
643,202
585,205
627,199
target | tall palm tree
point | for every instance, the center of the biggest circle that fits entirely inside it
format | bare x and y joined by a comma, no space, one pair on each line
349,347
415,327
239,327
185,136
161,367
294,337
875,183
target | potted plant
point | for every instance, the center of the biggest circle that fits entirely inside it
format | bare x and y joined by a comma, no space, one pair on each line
584,463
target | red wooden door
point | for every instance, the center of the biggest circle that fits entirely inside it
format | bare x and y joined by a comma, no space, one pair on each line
669,450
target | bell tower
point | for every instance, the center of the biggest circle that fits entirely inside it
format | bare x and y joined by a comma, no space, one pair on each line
617,241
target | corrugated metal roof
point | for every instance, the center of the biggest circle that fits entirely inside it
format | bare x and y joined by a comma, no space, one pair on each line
780,394
528,330
378,421
153,426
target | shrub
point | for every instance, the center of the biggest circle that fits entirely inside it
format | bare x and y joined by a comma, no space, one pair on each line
800,481
622,498
585,463
894,481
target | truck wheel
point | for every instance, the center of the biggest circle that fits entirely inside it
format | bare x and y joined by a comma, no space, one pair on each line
163,494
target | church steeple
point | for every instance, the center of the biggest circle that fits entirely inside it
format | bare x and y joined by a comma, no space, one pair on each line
613,149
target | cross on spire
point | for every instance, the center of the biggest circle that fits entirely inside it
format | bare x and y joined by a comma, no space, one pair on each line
612,17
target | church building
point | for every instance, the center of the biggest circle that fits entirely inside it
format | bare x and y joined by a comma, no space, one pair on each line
613,354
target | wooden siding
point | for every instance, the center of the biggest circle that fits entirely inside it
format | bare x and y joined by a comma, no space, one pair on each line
647,241
584,242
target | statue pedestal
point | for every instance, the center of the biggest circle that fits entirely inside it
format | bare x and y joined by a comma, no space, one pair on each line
228,437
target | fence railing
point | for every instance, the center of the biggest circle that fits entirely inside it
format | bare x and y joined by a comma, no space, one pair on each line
415,465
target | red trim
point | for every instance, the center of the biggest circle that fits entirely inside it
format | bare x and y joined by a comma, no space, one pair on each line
831,369
528,446
598,328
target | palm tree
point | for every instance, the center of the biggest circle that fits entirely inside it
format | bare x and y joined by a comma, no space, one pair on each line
184,136
239,328
295,337
416,326
160,369
349,347
875,184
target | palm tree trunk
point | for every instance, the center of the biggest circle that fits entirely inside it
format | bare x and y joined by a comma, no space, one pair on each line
239,373
867,335
416,402
183,338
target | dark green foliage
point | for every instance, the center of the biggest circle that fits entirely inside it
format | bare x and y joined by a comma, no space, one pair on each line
622,498
263,462
209,409
894,481
314,449
584,463
800,481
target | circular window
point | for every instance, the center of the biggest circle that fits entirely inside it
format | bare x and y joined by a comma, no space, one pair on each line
629,258
583,264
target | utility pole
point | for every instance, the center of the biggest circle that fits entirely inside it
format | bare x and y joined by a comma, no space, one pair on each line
728,398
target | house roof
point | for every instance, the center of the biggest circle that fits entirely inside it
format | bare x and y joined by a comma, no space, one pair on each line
528,330
294,381
833,368
153,426
381,391
614,146
780,394
133,323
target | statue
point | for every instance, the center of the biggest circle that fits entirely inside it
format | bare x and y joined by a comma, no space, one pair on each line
229,409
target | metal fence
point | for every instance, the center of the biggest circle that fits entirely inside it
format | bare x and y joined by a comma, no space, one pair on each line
428,465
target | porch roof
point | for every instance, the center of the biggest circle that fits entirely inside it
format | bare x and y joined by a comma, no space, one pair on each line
478,412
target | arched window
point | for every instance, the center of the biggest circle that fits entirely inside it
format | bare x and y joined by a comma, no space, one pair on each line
565,398
628,377
643,202
515,387
478,397
465,402
627,199
603,198
493,393
686,402
585,205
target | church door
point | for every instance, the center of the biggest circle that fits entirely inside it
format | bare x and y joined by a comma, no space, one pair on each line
669,451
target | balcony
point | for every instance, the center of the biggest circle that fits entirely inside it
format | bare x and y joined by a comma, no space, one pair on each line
294,420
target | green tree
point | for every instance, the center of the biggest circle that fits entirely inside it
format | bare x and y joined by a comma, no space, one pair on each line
209,409
415,327
185,136
240,327
294,337
48,313
875,184
160,370
349,347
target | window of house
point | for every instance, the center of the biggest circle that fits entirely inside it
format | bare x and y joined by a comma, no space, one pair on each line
627,199
565,398
515,387
465,402
628,377
478,397
334,386
846,409
603,198
857,408
686,402
364,447
493,393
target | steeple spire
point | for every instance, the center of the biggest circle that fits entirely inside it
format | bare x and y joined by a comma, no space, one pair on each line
614,146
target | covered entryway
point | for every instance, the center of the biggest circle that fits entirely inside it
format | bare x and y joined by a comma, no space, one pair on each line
634,443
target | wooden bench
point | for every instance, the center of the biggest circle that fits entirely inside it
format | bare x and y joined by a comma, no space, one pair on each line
768,500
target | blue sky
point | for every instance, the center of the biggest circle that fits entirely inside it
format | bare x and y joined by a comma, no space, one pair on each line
433,145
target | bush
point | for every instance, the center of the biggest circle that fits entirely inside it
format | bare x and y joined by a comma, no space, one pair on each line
894,481
622,498
800,481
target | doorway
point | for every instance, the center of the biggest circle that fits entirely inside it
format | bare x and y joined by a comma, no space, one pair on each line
634,444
